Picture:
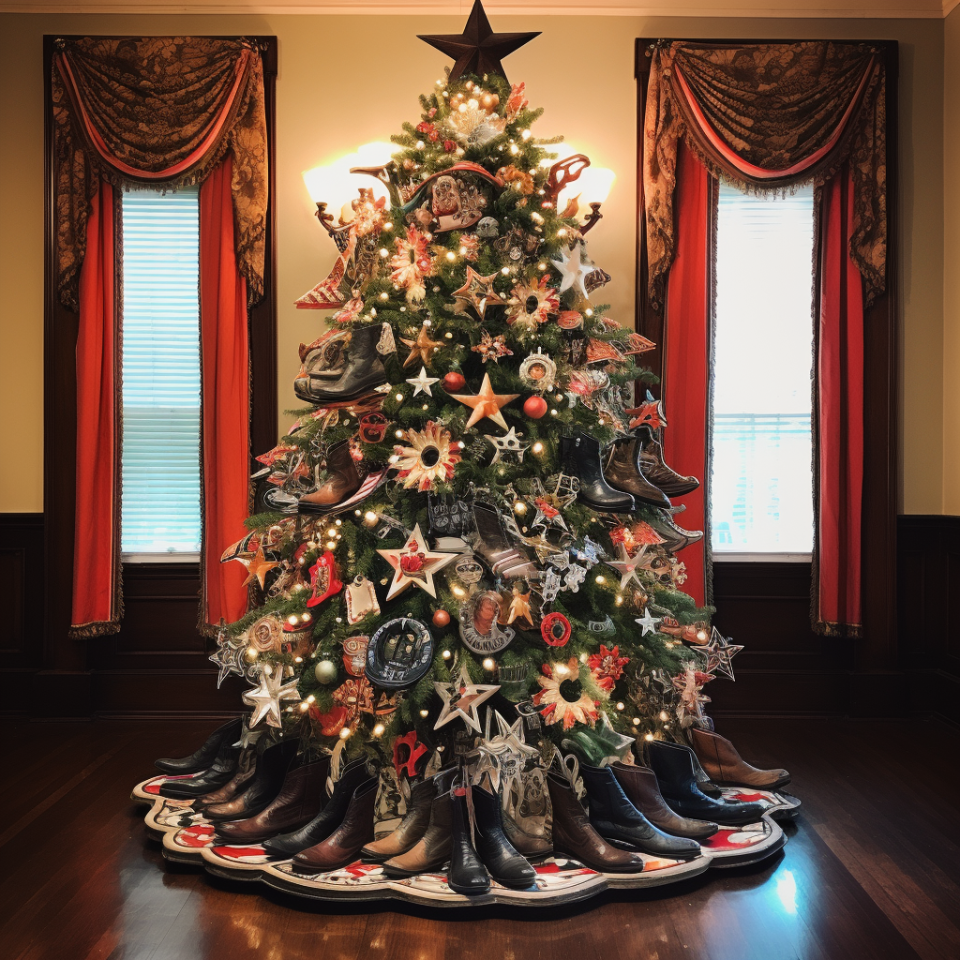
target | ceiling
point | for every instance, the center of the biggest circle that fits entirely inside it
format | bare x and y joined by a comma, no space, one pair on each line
856,9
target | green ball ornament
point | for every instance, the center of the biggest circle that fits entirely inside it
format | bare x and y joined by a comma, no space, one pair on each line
325,671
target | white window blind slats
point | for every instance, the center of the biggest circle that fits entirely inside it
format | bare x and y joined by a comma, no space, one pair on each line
762,481
160,511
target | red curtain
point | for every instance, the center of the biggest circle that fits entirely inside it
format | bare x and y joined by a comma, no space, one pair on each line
686,356
96,563
226,398
839,416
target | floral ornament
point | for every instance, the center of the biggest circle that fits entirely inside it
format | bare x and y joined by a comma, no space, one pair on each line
265,634
607,666
689,685
492,348
523,181
559,681
532,304
469,247
430,456
429,129
516,101
411,264
470,125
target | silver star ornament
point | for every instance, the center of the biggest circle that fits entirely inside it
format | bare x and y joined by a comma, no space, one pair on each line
267,699
422,383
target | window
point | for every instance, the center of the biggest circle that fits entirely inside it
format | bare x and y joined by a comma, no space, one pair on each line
762,481
160,512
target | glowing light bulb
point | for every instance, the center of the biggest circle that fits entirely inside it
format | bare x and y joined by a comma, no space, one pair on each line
378,730
344,733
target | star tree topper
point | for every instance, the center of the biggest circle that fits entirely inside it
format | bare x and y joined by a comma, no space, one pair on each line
486,403
413,563
461,698
478,50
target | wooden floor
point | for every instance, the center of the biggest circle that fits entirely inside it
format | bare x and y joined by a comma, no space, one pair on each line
871,870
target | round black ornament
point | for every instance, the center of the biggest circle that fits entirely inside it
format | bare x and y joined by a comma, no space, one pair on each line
400,653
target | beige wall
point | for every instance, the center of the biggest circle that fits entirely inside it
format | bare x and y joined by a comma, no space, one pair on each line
951,266
344,81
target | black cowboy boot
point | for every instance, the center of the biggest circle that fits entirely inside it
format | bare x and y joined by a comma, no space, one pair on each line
204,756
220,772
363,372
266,784
466,874
580,457
499,856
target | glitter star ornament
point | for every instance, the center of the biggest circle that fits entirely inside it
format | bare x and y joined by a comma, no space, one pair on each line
422,348
414,564
267,699
486,404
572,270
422,383
461,698
477,293
510,443
648,622
478,50
227,659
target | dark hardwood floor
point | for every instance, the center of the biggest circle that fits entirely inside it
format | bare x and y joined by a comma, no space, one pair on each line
871,870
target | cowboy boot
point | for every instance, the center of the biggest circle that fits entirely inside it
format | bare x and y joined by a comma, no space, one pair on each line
613,816
343,845
233,788
673,765
726,767
529,847
623,471
410,829
574,836
499,856
285,845
640,786
298,802
674,538
204,755
580,456
219,774
268,777
655,469
343,481
432,850
466,873
363,372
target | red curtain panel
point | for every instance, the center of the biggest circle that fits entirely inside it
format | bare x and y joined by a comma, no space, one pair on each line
686,358
839,416
226,399
96,596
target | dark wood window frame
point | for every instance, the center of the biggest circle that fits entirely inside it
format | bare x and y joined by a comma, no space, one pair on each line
872,662
156,664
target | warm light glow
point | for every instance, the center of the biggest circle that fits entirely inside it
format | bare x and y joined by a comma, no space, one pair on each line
344,733
424,713
334,184
489,663
378,730
447,654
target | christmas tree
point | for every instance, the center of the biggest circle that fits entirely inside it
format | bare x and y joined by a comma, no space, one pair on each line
464,560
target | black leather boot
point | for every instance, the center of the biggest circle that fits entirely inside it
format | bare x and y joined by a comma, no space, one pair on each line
656,470
614,817
623,472
673,765
267,782
220,772
580,457
286,845
363,372
674,538
466,873
201,758
499,856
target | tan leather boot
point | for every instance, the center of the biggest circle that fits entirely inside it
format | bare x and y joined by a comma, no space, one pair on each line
719,757
432,850
411,828
342,482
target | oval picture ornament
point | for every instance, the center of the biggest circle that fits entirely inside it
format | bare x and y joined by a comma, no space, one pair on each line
399,653
479,629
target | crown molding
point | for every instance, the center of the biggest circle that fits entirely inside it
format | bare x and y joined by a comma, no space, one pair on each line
903,10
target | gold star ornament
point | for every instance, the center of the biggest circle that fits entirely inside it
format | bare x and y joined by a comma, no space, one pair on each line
259,566
422,349
486,403
478,293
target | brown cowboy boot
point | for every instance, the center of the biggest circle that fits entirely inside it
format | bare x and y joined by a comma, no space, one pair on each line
343,481
411,828
719,757
624,472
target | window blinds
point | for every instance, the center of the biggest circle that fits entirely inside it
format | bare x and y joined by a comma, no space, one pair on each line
161,375
761,494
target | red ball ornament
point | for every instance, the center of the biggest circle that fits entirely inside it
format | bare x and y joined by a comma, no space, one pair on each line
441,618
454,381
535,407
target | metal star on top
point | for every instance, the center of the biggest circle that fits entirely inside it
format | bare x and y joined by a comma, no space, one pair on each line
461,698
478,50
422,383
267,699
478,293
572,270
510,443
486,403
719,654
423,348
